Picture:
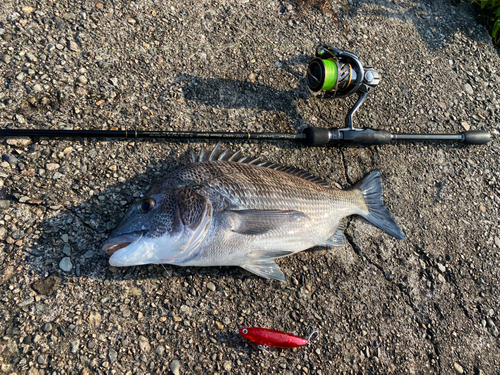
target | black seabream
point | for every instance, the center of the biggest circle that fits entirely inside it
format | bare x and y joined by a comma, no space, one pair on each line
229,210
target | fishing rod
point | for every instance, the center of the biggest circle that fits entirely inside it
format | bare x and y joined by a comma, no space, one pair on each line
332,72
311,136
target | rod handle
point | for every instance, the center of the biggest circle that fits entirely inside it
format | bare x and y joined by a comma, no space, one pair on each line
314,136
476,137
368,137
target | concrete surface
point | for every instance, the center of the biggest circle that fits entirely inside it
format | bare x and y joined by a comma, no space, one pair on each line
428,304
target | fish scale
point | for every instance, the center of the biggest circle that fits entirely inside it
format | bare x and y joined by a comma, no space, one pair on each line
225,210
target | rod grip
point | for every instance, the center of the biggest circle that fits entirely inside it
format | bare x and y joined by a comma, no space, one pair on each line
316,136
368,137
476,137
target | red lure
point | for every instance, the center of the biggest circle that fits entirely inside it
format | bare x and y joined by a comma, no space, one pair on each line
271,337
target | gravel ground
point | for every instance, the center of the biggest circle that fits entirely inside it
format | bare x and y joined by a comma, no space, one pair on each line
428,304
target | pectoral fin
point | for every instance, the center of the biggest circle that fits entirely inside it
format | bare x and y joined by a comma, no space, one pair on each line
262,221
267,269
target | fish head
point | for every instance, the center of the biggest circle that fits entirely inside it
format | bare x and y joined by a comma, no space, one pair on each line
159,228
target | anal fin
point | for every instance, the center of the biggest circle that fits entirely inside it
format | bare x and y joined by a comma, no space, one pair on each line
267,269
338,238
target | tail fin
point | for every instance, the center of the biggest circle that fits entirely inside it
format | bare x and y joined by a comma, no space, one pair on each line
371,188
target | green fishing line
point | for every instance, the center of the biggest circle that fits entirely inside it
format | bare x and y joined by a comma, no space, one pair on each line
330,74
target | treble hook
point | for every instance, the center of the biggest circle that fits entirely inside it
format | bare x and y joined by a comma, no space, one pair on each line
315,331
265,348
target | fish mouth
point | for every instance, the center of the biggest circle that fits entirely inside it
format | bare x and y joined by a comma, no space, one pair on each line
112,245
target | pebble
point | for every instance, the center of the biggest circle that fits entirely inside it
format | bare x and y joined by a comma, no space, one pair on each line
19,142
184,309
114,81
89,254
135,291
219,325
493,327
47,286
441,268
65,264
20,119
497,242
83,80
468,89
20,76
28,301
337,337
47,327
144,344
52,166
9,159
227,366
459,368
17,235
175,366
94,319
65,238
13,16
160,350
80,91
211,286
73,46
57,175
4,204
112,355
74,345
31,57
67,250
27,9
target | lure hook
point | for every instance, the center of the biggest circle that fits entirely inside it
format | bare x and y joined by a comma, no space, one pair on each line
314,332
265,348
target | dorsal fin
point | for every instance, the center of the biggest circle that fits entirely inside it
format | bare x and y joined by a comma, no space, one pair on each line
236,157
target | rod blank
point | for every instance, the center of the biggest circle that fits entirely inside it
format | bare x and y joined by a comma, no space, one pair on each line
132,134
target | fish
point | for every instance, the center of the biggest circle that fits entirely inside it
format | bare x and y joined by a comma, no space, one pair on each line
225,209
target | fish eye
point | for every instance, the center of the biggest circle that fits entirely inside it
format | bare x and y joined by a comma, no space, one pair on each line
245,331
146,205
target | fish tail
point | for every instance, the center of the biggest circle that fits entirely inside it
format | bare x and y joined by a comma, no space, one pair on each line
371,189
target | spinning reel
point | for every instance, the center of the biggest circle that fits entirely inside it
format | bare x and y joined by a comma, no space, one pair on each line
337,74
